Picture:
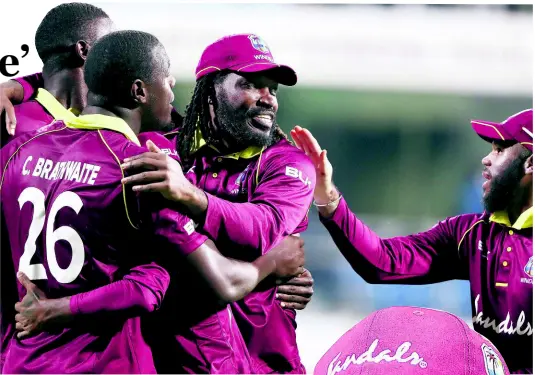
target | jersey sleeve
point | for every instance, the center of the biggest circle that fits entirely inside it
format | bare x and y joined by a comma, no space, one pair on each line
141,290
30,84
421,258
279,204
172,229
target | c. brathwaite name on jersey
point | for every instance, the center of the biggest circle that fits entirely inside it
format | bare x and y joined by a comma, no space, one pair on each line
64,170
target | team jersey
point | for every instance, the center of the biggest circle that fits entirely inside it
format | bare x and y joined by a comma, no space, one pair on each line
493,254
74,229
255,198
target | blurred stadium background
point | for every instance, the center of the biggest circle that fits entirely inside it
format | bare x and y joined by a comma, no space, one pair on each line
389,91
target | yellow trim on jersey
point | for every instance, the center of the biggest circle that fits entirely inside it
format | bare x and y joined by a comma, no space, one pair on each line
258,167
97,122
503,285
55,108
122,173
248,153
525,220
465,233
18,149
75,111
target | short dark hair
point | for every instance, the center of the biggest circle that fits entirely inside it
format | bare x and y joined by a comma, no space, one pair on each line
61,28
118,59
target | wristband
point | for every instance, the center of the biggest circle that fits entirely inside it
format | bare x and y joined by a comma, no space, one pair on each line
328,204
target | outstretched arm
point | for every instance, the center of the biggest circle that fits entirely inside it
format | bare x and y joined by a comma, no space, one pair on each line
419,258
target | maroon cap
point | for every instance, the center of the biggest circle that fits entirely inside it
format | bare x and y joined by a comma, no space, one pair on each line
411,341
246,53
518,127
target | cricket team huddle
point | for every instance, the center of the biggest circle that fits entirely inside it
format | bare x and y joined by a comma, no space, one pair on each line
136,239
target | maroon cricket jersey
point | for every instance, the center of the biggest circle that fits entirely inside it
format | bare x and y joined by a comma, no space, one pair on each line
74,229
193,332
41,110
255,198
493,254
31,115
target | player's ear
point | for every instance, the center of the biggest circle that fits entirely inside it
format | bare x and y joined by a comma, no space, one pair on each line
82,49
139,92
528,165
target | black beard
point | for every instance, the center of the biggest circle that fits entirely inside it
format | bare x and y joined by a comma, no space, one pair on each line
503,187
232,127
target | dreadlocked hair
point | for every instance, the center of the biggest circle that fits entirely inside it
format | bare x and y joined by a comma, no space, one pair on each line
198,114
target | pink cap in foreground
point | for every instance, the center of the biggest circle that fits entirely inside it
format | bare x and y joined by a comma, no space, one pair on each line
411,341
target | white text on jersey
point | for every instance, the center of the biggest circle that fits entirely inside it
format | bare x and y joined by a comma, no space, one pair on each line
65,170
506,326
296,173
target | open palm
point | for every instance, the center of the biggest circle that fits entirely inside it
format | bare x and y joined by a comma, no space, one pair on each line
305,141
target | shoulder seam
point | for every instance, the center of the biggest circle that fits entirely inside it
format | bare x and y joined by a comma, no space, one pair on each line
465,233
24,144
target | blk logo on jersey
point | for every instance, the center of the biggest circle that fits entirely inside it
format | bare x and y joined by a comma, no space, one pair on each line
169,152
296,173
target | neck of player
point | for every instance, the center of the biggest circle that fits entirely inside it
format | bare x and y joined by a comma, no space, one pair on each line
131,117
67,86
522,200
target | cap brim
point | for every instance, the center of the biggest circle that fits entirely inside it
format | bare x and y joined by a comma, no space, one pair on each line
491,131
283,74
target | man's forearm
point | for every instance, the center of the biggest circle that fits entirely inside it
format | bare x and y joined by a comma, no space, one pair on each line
327,209
244,277
13,90
57,310
196,204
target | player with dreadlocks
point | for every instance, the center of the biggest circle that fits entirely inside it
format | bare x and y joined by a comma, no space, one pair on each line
256,186
198,115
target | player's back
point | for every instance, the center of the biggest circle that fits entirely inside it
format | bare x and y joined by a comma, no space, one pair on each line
34,114
71,230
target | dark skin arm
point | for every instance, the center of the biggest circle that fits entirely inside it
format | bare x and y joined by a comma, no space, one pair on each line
35,312
230,279
297,292
10,92
164,175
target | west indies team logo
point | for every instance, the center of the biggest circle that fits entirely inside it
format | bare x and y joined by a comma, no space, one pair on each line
258,43
528,269
493,363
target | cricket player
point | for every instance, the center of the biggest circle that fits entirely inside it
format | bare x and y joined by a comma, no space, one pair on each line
245,184
494,249
70,89
294,294
67,176
62,40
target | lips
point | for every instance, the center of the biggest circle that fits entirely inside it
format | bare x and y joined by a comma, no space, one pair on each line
265,120
486,175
